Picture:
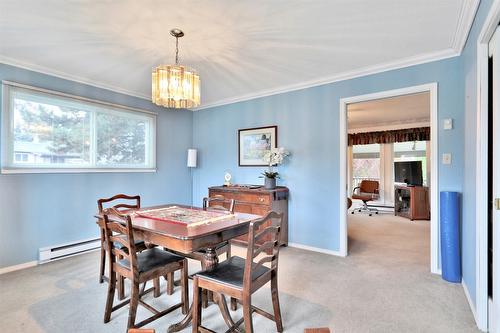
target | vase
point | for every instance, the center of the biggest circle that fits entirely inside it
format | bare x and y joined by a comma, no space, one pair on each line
270,183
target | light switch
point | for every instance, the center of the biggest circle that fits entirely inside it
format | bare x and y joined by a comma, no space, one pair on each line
446,158
448,124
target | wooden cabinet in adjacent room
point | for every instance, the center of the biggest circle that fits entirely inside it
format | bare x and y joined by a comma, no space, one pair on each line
412,202
257,201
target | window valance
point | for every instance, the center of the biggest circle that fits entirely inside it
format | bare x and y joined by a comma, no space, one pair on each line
402,135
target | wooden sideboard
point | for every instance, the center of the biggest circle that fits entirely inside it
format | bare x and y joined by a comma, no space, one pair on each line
412,202
257,201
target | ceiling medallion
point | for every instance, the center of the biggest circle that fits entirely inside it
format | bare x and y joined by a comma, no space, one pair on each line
176,86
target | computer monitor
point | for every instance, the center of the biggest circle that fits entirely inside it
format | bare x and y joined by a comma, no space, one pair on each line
409,172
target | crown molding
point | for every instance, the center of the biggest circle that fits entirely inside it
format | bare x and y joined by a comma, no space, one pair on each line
393,65
70,77
464,24
398,64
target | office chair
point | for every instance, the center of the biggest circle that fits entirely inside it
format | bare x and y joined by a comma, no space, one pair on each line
366,191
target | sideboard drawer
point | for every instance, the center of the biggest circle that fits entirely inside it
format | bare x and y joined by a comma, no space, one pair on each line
262,199
260,210
243,208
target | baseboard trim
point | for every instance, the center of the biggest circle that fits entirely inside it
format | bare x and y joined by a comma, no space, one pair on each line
471,303
18,267
315,249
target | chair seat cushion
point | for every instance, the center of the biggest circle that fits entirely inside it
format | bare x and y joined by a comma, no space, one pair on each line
151,259
363,197
231,272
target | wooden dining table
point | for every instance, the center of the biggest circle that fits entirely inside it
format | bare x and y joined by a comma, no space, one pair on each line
187,239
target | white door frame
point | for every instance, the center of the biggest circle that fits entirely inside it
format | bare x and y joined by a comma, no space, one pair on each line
485,35
494,301
432,88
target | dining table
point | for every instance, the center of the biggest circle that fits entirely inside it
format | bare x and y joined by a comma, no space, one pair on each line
184,238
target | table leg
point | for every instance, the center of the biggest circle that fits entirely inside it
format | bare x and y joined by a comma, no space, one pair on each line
221,302
210,261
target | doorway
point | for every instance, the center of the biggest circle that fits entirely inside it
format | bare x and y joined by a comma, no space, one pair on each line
431,90
494,182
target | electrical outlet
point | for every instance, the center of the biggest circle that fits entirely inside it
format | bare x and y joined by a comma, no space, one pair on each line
447,158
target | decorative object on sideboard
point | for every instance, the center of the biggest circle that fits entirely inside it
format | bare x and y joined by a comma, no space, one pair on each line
253,143
227,178
175,86
273,158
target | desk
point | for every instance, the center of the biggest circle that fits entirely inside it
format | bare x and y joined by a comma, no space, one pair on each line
412,202
184,239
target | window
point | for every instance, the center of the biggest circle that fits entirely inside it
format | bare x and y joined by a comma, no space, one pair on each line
365,163
46,131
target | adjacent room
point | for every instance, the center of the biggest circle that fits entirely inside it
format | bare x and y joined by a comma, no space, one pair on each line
389,174
286,166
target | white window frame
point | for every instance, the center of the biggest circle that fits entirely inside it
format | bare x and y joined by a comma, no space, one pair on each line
7,158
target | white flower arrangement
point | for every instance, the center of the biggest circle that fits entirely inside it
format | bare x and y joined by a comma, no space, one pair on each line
274,157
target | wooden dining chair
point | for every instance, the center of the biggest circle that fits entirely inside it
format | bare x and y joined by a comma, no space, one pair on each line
120,202
219,204
139,268
240,278
216,204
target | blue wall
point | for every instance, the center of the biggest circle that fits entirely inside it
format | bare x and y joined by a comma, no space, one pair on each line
61,205
308,124
469,59
39,210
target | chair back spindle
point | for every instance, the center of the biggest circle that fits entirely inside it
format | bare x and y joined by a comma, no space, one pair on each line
264,240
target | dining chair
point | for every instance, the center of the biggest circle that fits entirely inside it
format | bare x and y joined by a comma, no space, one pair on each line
218,204
215,204
120,202
240,278
138,267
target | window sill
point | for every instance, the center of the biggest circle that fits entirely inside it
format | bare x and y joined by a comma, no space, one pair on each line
76,170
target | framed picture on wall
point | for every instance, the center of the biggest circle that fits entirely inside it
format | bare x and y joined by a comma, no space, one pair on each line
254,142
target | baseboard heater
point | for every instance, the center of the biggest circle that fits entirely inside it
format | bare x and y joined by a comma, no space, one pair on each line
56,252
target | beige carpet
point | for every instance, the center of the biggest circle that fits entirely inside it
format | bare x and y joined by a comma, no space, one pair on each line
383,286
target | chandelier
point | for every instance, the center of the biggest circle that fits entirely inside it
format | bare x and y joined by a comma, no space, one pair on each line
176,86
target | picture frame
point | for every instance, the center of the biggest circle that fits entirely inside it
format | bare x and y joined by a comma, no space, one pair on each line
254,142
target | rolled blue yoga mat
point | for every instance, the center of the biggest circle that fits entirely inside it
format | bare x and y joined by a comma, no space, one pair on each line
450,237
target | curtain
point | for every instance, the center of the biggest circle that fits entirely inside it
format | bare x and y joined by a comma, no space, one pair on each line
402,135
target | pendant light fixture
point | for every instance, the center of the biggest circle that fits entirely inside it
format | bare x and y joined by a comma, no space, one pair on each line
176,86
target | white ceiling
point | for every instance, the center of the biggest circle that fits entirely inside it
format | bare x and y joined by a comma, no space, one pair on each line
242,49
395,112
